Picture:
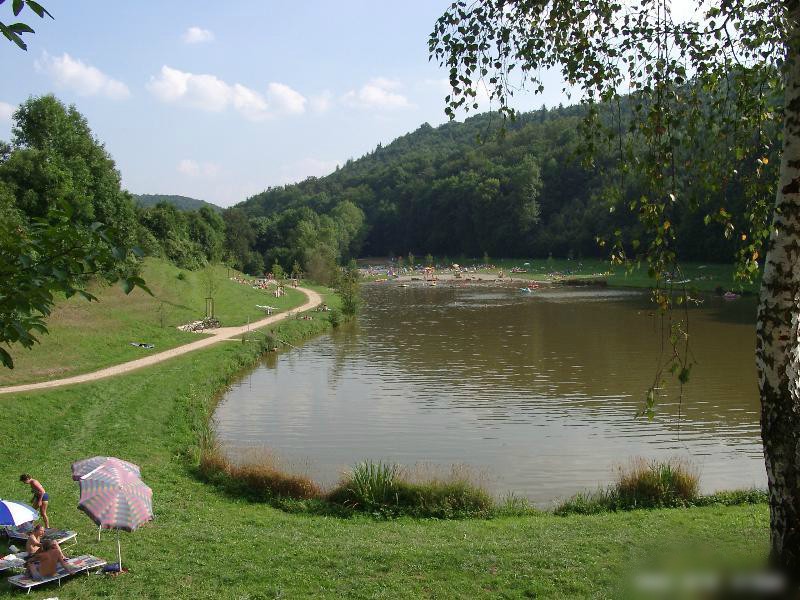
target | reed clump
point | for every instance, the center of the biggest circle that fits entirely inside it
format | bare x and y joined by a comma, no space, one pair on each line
641,484
389,490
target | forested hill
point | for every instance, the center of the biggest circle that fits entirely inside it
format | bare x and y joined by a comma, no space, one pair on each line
180,202
463,189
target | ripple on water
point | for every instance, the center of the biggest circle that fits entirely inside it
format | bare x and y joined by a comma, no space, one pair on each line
539,390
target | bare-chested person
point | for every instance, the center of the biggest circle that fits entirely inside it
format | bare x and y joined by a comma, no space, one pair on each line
40,496
34,543
45,563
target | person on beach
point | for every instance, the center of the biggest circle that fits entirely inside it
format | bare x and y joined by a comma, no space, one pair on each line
45,563
40,497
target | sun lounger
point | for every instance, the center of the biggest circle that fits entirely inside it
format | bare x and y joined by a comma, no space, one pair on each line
13,561
79,564
62,536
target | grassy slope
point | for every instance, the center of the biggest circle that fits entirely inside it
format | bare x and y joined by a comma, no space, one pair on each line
206,545
87,336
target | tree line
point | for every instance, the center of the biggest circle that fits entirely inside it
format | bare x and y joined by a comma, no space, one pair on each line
519,188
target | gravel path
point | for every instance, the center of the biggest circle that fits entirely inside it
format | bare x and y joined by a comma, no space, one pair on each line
212,337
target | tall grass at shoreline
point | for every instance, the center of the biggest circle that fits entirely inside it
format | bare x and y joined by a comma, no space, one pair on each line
653,484
391,490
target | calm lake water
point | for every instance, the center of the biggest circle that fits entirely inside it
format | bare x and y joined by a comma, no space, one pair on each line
537,392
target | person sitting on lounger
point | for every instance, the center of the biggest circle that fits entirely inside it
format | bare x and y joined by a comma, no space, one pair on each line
40,496
34,543
45,563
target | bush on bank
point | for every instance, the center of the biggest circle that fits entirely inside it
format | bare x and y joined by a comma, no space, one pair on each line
389,490
654,484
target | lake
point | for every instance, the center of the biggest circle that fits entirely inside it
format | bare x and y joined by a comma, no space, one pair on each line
538,393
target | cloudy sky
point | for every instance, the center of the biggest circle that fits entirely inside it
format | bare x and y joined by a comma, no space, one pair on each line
220,100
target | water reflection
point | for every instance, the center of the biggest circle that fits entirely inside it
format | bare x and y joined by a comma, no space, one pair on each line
539,390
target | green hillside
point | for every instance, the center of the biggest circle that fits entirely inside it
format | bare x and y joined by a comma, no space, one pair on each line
519,188
181,202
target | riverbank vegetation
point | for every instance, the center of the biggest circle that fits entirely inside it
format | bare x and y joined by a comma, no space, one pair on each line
300,554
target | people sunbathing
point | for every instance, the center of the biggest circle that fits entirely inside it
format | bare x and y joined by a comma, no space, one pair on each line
33,544
45,563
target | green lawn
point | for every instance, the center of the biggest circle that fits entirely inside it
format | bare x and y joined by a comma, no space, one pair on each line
87,336
204,544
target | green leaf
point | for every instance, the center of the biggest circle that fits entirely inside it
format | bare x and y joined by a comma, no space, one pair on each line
39,9
17,7
6,359
10,35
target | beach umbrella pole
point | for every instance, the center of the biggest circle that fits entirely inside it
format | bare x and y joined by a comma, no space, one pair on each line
119,552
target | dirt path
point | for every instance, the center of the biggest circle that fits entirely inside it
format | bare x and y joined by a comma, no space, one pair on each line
212,337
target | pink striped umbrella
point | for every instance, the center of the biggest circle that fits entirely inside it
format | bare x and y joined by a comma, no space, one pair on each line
82,468
113,496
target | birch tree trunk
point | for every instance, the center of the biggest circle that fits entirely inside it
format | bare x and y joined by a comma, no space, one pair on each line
778,333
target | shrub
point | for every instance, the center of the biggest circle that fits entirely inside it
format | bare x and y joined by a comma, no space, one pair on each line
181,276
334,317
640,484
270,343
386,489
370,485
657,484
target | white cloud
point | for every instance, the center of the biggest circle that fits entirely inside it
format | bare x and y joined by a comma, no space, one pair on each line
378,94
321,103
250,103
208,92
6,111
285,99
192,168
83,79
197,35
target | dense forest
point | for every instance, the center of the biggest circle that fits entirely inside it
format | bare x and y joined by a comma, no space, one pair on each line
520,188
181,202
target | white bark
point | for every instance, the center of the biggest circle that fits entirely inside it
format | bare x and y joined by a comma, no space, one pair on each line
778,334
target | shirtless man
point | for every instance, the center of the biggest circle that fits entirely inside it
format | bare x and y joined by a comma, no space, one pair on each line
45,564
40,496
34,543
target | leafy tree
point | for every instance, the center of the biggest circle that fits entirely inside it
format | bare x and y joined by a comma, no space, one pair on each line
239,239
428,260
349,289
277,271
730,71
63,219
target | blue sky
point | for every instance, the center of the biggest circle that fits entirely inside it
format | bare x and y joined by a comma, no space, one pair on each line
220,100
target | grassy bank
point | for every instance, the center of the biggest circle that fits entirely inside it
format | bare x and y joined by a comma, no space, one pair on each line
209,543
87,336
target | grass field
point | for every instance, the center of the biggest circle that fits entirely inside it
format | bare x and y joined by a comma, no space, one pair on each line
206,544
87,336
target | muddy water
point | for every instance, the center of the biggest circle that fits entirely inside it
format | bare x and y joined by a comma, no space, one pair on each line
537,392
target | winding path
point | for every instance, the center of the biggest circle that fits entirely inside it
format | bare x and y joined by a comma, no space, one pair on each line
212,337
